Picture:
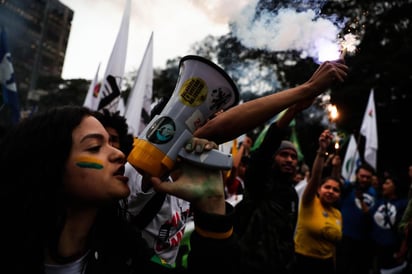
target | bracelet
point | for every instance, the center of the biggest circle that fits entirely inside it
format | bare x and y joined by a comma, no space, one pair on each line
322,153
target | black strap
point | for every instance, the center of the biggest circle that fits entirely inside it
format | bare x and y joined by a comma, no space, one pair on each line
150,209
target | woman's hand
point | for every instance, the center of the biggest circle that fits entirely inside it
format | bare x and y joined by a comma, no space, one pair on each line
325,139
201,186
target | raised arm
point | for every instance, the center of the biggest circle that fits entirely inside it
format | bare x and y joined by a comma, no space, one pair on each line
336,166
245,117
317,168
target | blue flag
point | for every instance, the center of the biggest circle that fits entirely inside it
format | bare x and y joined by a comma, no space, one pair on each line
7,81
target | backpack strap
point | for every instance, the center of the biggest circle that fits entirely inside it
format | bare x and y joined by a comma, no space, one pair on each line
150,210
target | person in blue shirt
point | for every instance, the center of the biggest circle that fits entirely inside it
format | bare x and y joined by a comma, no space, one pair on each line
354,252
386,215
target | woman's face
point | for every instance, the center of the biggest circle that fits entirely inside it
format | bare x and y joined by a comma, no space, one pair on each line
329,192
94,169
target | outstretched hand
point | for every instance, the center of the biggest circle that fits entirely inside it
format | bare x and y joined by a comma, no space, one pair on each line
327,74
325,139
324,77
201,186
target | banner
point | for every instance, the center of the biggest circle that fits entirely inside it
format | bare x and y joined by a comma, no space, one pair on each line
109,93
139,102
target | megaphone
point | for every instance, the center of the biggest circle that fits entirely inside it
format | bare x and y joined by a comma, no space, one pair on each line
202,89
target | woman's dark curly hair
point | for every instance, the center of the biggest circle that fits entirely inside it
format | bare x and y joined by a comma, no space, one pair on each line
33,158
117,122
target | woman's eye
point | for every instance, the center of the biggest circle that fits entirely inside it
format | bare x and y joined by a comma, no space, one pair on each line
94,149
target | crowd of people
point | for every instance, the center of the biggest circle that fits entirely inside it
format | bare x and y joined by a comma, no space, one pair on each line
72,203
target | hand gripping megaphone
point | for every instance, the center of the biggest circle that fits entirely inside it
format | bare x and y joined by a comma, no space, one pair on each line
202,89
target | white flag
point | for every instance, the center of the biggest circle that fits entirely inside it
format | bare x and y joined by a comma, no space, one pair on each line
91,100
109,93
369,130
140,99
121,108
351,160
7,81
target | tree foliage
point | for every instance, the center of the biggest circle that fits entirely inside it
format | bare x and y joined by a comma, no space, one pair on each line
60,92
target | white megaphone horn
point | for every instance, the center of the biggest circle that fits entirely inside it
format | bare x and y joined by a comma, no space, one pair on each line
202,89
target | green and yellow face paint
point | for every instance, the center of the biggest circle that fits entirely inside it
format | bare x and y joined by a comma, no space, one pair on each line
89,162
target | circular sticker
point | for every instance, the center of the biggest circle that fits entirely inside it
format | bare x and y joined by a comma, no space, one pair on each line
220,99
193,92
162,131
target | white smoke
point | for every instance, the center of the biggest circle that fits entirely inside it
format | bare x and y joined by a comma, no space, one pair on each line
286,30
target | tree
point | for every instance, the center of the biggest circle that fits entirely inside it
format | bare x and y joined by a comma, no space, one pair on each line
59,92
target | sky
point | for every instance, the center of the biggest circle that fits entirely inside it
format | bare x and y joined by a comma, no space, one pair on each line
176,25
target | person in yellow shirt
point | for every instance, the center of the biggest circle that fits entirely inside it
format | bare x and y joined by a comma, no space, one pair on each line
319,225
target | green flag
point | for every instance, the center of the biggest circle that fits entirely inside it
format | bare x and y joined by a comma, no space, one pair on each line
294,140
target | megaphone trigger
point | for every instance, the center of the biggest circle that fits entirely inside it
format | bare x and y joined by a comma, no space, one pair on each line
214,159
